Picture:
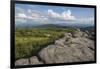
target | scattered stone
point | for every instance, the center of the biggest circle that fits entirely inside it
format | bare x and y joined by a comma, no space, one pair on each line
22,62
34,60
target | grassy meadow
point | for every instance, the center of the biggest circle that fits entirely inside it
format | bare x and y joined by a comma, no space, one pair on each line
29,42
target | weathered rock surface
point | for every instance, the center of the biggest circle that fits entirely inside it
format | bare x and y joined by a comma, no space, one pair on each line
28,61
75,47
22,62
34,60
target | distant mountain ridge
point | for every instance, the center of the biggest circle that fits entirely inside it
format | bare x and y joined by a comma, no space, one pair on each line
55,26
49,26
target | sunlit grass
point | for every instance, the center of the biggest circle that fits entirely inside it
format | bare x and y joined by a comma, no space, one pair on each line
29,41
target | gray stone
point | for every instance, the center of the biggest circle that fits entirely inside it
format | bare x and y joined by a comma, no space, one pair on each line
22,62
34,60
74,49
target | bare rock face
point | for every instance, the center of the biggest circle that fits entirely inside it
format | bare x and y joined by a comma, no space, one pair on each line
69,49
62,40
22,62
34,60
28,61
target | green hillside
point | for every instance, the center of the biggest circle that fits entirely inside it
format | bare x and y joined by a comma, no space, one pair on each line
29,41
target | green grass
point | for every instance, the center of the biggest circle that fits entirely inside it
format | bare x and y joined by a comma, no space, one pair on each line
29,42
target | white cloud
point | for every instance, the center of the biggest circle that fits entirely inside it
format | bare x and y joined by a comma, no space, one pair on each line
37,16
35,13
29,15
90,19
51,16
86,20
20,20
29,11
19,10
66,15
22,15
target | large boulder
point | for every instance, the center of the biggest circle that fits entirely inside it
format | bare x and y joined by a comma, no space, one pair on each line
28,61
22,62
74,49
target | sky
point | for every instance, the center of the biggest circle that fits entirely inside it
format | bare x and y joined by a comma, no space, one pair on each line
46,14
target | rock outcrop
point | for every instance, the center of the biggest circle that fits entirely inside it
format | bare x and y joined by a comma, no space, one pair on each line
73,47
28,61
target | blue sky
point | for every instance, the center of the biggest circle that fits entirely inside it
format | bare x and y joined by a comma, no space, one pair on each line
43,14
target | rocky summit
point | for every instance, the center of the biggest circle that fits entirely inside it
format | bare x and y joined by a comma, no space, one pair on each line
73,47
